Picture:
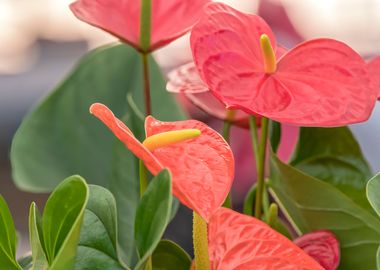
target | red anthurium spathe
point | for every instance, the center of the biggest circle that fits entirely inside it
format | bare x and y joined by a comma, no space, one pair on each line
321,82
202,168
322,246
374,71
186,80
241,242
170,18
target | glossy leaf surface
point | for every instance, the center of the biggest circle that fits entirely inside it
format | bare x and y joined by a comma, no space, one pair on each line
170,256
62,220
7,238
333,155
321,82
241,242
98,248
153,215
36,238
373,193
322,246
313,204
170,18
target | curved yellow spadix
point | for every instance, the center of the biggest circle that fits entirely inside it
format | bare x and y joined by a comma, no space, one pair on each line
270,63
170,137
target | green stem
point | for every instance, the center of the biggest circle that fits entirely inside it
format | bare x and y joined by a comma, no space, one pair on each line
260,161
147,98
143,178
145,25
200,242
254,137
226,135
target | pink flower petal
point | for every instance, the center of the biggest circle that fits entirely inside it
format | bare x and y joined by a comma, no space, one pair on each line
170,18
322,246
321,82
124,134
374,72
202,168
241,242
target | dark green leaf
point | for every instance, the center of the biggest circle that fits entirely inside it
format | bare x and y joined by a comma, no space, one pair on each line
7,238
373,192
312,204
62,138
98,247
153,215
275,135
170,256
62,220
36,238
333,155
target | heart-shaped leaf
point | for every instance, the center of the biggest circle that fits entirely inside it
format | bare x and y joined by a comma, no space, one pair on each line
170,256
333,155
62,138
373,193
313,204
153,215
98,249
7,238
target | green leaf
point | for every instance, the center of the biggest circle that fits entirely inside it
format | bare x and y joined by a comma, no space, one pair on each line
373,193
378,258
35,238
7,238
62,220
249,201
333,155
153,215
170,256
98,249
62,138
313,204
275,134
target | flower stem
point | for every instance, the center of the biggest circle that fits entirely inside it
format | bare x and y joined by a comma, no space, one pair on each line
145,24
200,242
226,135
254,137
143,178
147,98
260,161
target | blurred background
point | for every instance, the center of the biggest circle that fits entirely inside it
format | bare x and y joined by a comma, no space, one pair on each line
40,41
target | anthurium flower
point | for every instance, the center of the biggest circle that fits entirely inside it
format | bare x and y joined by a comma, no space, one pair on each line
170,18
242,242
202,167
320,82
322,246
186,80
374,71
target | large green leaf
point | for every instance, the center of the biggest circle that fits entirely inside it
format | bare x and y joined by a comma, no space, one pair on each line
373,192
98,249
57,234
170,256
62,138
153,215
333,155
313,204
7,238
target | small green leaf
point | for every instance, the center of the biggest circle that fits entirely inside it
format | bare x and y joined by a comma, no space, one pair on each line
35,239
62,220
170,256
312,204
153,215
333,155
373,193
98,249
7,238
